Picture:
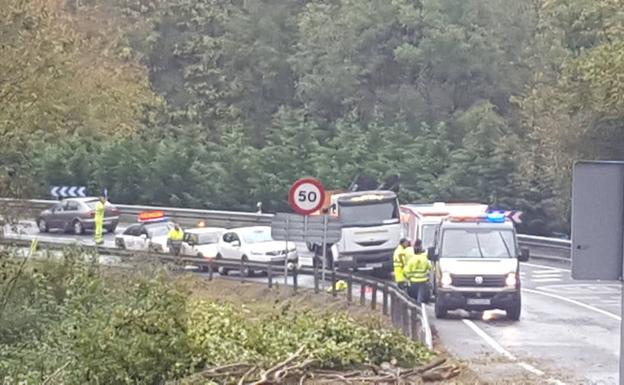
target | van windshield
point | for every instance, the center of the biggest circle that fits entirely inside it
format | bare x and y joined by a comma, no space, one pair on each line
458,243
369,214
428,236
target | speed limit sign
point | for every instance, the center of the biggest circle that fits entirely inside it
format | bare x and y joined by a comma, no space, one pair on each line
306,196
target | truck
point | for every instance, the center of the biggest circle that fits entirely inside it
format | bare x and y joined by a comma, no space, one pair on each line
476,265
371,230
419,221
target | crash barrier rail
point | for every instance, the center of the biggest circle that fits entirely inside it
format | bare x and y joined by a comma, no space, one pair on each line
552,249
407,316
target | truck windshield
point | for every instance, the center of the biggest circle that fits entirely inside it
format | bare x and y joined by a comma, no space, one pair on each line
368,213
428,236
458,243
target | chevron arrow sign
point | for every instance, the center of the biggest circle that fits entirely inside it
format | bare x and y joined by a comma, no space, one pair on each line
67,191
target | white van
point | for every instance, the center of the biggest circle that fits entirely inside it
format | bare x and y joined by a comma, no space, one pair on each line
476,265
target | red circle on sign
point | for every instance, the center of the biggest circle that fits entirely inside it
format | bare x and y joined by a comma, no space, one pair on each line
306,196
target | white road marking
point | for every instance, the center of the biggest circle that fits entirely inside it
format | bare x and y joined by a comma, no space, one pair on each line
496,346
546,267
575,302
546,280
546,272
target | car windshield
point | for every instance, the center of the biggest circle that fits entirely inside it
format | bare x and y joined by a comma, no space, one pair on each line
205,238
257,236
457,243
369,214
157,230
428,236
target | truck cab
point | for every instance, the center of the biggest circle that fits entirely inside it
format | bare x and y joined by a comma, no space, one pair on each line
371,229
476,265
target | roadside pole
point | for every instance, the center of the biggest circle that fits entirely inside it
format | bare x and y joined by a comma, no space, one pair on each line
286,256
324,257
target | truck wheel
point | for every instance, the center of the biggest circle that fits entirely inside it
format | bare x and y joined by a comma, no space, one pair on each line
439,309
514,310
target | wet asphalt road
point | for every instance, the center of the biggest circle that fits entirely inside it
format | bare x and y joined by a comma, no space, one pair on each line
568,332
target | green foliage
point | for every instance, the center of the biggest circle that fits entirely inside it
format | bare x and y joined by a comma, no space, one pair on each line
220,103
72,322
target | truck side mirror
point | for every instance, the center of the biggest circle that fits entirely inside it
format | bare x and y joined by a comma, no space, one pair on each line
524,255
431,255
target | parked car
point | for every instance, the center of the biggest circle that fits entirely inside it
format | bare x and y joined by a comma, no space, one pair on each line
77,215
147,235
254,244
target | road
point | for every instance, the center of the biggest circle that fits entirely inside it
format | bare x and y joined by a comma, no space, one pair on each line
568,333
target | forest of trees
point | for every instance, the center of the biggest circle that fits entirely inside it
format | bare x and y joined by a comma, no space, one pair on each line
224,103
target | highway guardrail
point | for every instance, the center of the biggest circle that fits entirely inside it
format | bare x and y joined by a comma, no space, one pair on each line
407,316
552,249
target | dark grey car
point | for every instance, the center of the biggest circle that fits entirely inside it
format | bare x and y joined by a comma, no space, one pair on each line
76,215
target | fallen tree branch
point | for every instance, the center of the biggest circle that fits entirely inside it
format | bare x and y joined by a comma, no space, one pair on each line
282,373
264,379
247,373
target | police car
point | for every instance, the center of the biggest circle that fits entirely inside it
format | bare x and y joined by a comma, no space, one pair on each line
149,234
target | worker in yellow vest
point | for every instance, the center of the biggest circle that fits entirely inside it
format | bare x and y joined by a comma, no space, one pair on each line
399,260
417,273
100,206
175,237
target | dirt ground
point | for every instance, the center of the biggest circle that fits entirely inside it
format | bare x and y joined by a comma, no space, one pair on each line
259,298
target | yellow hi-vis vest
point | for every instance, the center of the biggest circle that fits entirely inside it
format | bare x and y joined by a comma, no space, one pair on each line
417,268
176,235
399,259
99,211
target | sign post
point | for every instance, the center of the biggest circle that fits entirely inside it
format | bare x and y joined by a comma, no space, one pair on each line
305,196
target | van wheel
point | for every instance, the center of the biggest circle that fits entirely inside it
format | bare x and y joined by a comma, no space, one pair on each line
221,269
514,310
245,270
439,309
202,268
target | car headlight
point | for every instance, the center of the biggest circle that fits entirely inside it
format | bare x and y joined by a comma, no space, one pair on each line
446,280
511,280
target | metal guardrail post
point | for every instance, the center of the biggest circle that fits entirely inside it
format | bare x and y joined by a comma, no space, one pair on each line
242,276
210,271
394,308
333,281
414,323
295,274
350,287
385,299
374,295
316,279
405,318
362,294
270,276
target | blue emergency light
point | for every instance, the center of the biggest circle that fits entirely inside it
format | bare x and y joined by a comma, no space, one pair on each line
495,217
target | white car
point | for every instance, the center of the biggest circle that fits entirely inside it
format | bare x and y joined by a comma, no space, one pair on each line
254,244
149,236
202,242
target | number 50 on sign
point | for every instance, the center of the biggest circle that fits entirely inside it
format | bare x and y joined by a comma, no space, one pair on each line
306,196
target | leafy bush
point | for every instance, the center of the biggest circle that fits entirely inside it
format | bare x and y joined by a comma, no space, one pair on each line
75,323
